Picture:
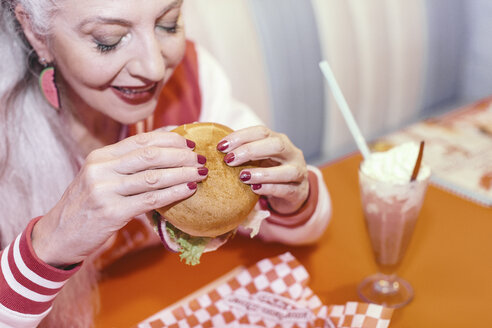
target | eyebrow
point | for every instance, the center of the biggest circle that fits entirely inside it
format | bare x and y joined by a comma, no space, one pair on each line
120,21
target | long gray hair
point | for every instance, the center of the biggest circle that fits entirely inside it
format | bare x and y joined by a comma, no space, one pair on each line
38,158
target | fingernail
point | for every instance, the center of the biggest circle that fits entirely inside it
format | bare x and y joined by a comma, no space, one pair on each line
202,171
229,158
190,144
245,176
192,185
201,159
256,186
223,145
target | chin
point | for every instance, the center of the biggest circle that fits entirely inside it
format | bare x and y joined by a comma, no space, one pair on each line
132,114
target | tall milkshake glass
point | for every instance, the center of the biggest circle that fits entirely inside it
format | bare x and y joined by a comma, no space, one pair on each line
391,203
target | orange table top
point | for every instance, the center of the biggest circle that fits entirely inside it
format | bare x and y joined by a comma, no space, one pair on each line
449,262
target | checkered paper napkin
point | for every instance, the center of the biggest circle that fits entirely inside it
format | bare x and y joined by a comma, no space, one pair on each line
271,293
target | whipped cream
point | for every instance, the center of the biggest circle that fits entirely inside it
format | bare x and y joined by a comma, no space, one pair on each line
395,165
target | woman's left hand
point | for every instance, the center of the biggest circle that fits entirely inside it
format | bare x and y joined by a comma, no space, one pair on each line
282,176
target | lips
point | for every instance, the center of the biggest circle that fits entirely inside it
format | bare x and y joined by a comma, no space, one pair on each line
135,95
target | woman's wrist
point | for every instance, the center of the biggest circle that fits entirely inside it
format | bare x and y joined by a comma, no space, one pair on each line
302,214
42,242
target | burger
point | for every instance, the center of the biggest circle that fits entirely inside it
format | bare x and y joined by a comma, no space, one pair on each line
221,203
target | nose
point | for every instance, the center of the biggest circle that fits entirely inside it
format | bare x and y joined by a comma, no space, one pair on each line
148,63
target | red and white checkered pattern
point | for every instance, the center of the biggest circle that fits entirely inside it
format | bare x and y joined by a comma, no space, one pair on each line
355,315
271,293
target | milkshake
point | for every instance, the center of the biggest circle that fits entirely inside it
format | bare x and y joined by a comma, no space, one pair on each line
391,203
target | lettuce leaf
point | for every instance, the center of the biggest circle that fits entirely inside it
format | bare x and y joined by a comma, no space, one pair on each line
191,248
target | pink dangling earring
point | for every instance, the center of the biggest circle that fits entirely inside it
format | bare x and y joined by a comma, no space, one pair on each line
48,85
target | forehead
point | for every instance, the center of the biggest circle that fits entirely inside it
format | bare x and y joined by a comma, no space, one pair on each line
80,10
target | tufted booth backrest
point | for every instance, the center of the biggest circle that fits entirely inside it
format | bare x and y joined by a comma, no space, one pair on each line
396,61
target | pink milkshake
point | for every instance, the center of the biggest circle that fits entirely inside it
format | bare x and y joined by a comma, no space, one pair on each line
391,205
391,211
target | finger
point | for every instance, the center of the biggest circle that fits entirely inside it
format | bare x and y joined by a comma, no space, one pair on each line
275,148
141,203
275,174
156,157
148,180
156,138
243,136
288,191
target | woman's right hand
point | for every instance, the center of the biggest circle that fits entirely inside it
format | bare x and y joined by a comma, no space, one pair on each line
115,184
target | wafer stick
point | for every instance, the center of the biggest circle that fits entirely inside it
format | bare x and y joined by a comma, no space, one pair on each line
416,169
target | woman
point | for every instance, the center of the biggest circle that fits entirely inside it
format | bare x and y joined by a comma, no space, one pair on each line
80,163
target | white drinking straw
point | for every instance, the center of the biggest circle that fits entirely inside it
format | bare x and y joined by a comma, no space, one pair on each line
344,108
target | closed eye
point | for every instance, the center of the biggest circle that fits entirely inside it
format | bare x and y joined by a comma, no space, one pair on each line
106,47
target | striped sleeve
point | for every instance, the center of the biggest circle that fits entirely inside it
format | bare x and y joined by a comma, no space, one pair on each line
297,230
28,286
303,214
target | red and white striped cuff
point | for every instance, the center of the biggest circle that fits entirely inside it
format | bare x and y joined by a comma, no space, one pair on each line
27,284
308,223
302,215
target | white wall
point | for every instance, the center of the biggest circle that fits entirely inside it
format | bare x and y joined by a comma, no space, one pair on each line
396,61
225,28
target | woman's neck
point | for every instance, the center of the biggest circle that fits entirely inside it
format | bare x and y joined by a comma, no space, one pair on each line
91,129
92,133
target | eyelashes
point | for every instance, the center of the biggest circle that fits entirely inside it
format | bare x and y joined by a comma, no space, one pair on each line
172,30
105,48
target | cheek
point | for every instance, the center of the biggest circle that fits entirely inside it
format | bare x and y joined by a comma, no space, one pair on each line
83,67
90,74
174,50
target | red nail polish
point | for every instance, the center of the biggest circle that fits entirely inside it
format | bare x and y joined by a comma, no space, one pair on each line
256,186
201,159
245,176
190,144
192,185
202,171
223,145
229,158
